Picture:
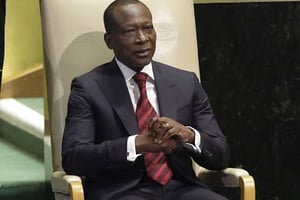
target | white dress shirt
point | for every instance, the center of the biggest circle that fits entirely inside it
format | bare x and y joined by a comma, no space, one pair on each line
134,93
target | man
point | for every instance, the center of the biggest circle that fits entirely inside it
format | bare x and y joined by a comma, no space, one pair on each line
134,124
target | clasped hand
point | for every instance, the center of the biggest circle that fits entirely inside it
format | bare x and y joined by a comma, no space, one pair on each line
164,133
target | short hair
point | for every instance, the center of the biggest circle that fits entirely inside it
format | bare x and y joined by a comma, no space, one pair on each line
109,11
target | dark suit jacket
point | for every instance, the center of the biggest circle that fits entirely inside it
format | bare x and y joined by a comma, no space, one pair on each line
100,117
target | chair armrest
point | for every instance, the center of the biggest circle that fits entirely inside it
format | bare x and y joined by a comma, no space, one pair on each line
247,186
67,184
230,177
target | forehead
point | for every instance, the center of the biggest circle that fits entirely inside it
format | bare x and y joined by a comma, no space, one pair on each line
137,12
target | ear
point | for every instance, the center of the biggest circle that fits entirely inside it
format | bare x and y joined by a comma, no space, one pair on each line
107,39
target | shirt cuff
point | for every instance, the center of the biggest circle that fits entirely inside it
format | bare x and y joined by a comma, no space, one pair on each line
131,152
196,145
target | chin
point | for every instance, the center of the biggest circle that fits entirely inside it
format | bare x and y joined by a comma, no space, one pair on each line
144,62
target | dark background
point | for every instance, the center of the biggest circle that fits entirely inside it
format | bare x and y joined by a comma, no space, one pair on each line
250,67
2,22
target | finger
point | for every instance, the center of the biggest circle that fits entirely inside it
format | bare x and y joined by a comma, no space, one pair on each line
152,123
171,132
164,132
168,147
166,127
159,132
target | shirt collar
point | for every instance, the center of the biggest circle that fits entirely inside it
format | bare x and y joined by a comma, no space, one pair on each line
129,73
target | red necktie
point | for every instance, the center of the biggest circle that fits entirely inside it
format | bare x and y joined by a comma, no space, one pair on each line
155,163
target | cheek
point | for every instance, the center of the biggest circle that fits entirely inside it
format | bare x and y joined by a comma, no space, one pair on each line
153,38
121,48
153,41
125,45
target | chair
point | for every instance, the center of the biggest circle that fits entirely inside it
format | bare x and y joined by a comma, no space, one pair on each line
73,43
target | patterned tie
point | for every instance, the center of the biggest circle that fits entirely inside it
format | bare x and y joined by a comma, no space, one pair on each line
155,163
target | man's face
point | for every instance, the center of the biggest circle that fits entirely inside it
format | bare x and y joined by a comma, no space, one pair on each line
133,37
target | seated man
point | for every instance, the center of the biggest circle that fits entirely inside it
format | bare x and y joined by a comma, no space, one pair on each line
134,124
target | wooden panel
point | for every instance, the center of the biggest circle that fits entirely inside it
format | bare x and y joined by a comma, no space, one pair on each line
29,84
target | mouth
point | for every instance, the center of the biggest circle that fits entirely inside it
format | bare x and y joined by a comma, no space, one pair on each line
143,53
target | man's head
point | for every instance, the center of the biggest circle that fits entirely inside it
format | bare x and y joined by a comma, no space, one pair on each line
130,32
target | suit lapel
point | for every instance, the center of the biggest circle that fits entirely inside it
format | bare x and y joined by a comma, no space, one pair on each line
115,89
166,91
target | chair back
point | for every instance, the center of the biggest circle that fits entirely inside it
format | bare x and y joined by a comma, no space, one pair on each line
73,33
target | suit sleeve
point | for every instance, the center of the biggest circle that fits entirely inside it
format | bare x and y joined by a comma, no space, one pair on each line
81,153
214,147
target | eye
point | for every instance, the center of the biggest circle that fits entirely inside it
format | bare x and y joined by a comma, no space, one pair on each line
148,27
129,31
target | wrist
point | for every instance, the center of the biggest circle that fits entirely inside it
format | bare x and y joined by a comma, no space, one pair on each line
191,136
141,143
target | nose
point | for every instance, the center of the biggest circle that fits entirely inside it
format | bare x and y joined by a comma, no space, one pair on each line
142,36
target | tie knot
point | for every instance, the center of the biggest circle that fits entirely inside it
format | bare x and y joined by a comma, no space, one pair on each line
140,78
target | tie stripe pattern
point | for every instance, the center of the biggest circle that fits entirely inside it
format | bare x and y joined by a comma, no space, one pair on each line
155,163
